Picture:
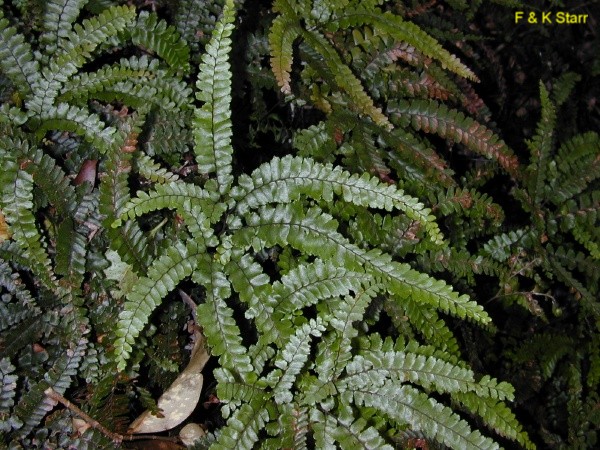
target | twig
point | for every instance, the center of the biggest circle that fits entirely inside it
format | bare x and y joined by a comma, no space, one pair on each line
51,393
115,437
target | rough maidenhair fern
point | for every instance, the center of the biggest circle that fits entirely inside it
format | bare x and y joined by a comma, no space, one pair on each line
306,354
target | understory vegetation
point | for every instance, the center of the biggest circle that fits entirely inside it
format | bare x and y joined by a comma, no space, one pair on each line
298,224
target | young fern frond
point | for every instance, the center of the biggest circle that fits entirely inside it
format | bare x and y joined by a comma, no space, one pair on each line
432,117
281,38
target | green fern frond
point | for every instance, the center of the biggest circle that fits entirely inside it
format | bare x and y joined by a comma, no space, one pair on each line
16,58
212,124
345,314
402,31
155,36
17,206
216,317
241,431
497,417
349,432
153,171
470,203
578,165
590,301
77,120
281,38
540,148
163,276
572,259
284,180
249,280
291,360
128,240
8,390
34,404
59,15
293,427
307,284
51,178
78,47
345,80
171,195
432,117
195,20
588,240
421,412
315,233
499,246
85,85
426,322
71,251
563,86
429,372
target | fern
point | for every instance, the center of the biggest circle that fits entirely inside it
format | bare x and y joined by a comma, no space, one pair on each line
340,289
435,118
289,203
156,36
58,18
162,277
